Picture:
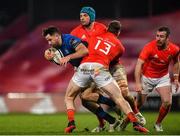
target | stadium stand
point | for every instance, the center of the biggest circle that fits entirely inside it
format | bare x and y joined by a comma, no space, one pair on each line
24,70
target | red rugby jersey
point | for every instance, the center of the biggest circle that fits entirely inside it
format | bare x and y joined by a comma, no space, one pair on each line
103,49
157,61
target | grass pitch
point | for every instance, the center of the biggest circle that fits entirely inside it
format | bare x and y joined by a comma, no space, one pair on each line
54,124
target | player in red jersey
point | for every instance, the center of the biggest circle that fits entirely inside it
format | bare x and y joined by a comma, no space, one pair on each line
87,29
151,72
94,68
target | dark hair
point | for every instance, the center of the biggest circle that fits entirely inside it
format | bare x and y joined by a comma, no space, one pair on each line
50,30
164,28
114,27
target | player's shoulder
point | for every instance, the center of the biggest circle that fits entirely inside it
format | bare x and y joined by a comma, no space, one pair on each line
68,39
68,36
174,46
150,45
76,29
99,25
65,37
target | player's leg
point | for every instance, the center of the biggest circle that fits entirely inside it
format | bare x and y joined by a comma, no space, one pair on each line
92,105
88,99
71,93
93,94
114,92
141,98
164,89
166,98
99,112
119,74
147,86
106,82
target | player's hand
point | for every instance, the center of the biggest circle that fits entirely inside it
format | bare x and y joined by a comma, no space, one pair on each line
138,87
64,60
177,85
49,54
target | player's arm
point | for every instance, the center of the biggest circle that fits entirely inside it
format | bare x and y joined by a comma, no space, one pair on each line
81,51
77,45
144,55
137,74
176,70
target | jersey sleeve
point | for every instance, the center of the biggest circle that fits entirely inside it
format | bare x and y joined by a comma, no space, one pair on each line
122,49
100,28
74,41
74,32
145,53
118,54
176,56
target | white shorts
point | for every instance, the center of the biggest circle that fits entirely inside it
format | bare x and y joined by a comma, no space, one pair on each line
149,84
92,72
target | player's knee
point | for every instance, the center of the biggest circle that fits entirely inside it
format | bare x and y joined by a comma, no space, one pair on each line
124,88
125,91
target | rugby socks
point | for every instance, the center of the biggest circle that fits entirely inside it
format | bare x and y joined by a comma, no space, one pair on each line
131,116
162,113
132,103
91,106
101,121
135,109
105,100
70,114
101,113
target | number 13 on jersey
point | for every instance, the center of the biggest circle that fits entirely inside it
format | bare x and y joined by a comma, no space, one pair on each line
103,46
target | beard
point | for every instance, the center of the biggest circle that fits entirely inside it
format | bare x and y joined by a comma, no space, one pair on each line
86,25
161,45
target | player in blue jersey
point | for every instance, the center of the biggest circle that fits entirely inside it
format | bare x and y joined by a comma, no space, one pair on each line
71,47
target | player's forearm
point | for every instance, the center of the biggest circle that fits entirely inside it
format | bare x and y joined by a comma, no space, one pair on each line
137,73
176,70
79,53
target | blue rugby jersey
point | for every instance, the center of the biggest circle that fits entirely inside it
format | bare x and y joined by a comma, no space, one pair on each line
69,43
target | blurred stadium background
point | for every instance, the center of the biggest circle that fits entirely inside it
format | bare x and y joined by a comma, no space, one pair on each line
30,84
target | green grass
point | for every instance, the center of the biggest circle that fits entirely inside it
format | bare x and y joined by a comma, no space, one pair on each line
54,124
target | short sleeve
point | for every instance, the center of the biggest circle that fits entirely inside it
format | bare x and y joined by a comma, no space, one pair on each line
145,53
74,41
